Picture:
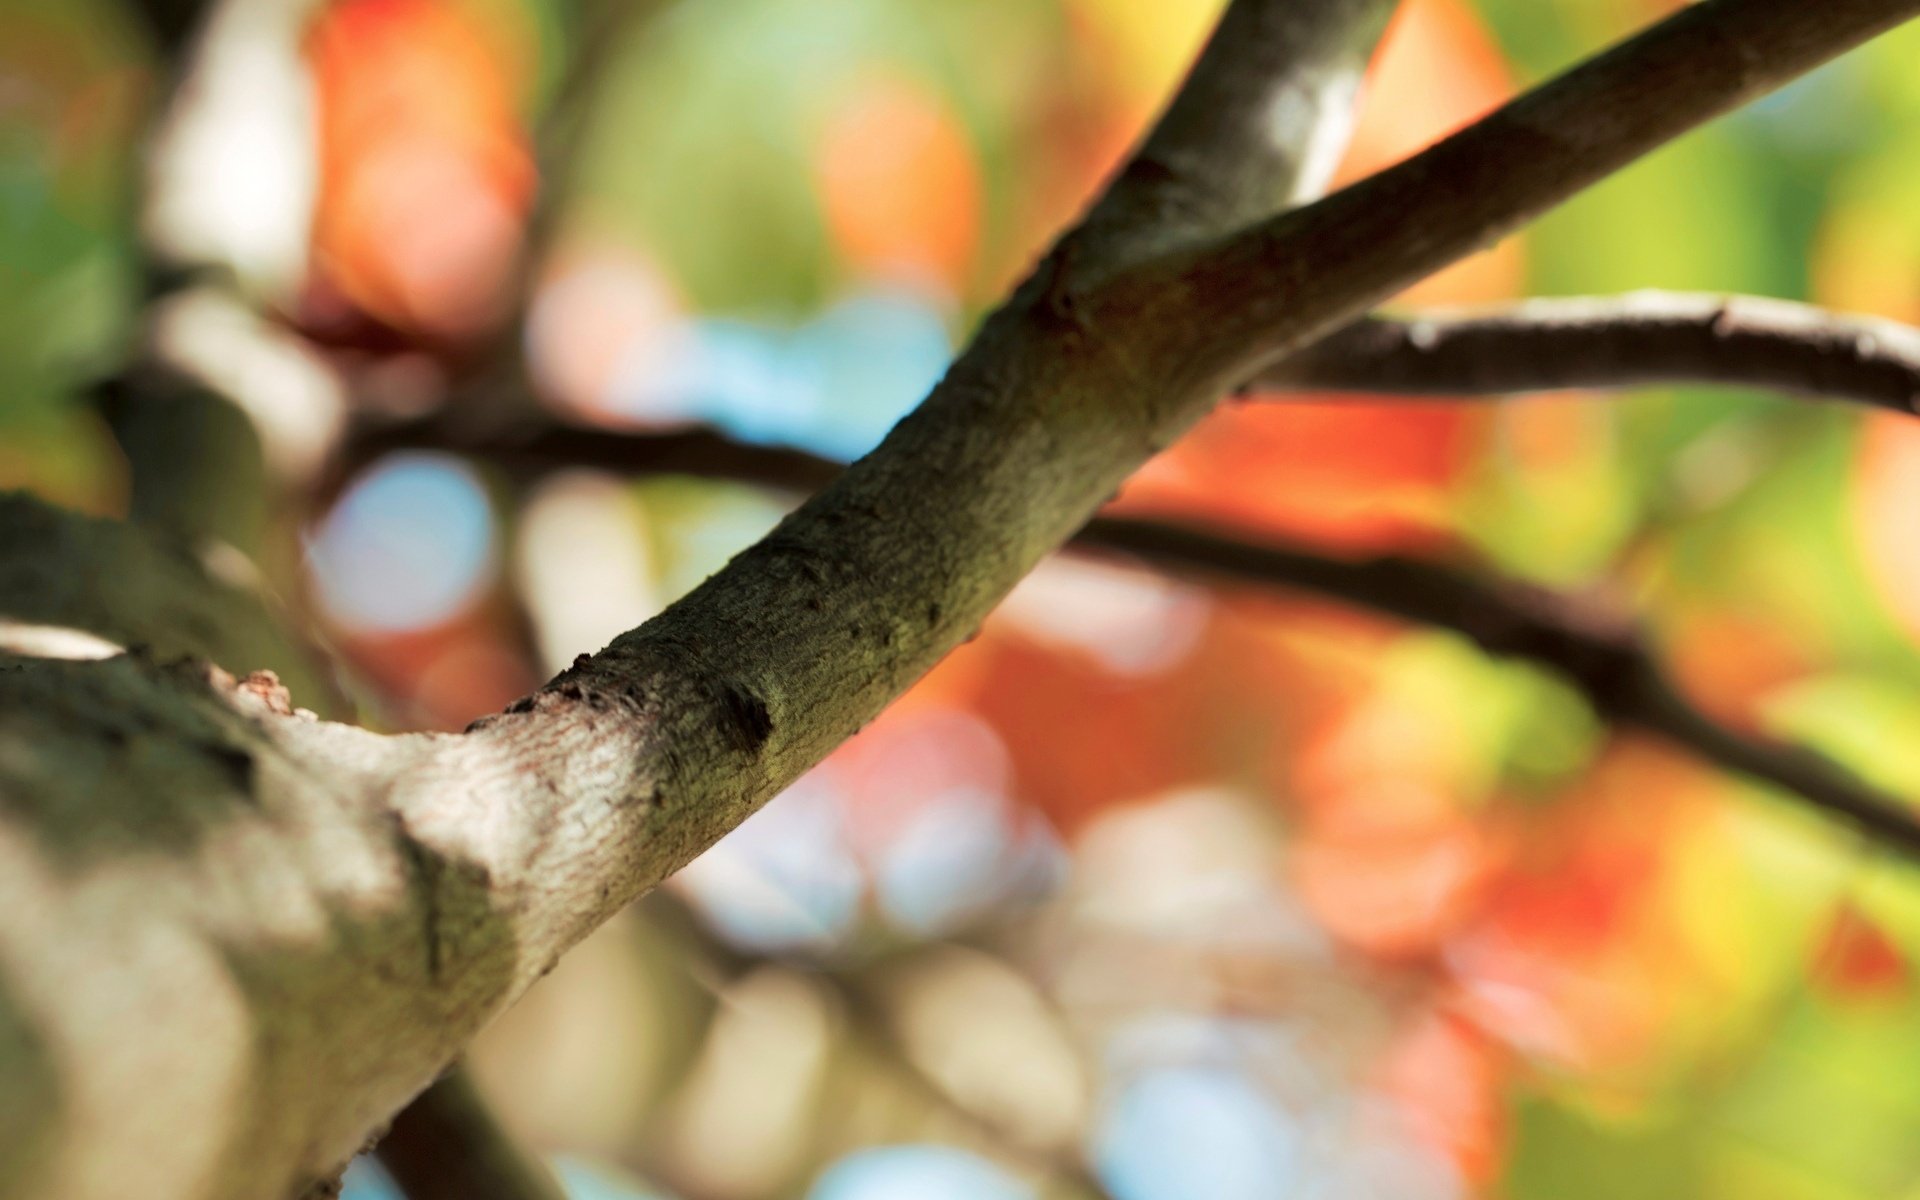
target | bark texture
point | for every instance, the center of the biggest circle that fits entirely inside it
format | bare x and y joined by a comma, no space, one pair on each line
1592,342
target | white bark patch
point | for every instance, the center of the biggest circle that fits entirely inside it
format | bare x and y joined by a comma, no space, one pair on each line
146,1028
1317,115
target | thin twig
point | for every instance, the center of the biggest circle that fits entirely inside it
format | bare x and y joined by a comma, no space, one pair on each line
1636,340
1606,660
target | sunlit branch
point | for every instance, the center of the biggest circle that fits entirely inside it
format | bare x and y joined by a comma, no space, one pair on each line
1599,342
1607,661
446,1145
1259,123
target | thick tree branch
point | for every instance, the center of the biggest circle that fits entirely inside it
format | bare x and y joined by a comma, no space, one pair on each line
769,664
1642,339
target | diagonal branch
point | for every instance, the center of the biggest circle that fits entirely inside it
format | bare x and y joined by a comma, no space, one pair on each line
1641,339
447,1145
1606,660
769,664
1278,285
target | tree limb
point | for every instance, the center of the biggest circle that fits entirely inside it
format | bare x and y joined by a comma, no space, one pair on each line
1606,660
766,666
1280,284
1641,339
446,1145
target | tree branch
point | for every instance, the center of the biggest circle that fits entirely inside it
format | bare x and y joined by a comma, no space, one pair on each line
766,666
1606,660
1641,339
446,1145
1297,276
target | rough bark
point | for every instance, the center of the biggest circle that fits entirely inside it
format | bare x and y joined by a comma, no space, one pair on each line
1596,342
235,940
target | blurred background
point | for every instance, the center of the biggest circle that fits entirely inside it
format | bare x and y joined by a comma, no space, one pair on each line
1151,891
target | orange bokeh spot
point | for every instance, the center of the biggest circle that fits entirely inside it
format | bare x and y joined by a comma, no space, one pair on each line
1083,739
1566,960
1438,70
1394,894
1355,475
900,184
1387,857
1858,961
1730,663
425,176
1886,513
1447,1078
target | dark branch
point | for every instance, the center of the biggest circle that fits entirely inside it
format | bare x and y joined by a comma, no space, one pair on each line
1646,338
1606,660
446,1145
172,25
1277,286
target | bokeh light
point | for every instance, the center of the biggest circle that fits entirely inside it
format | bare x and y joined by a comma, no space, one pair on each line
407,546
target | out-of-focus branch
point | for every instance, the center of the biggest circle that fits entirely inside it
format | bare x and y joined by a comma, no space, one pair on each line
872,1022
171,24
1606,660
1634,340
446,1145
600,31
